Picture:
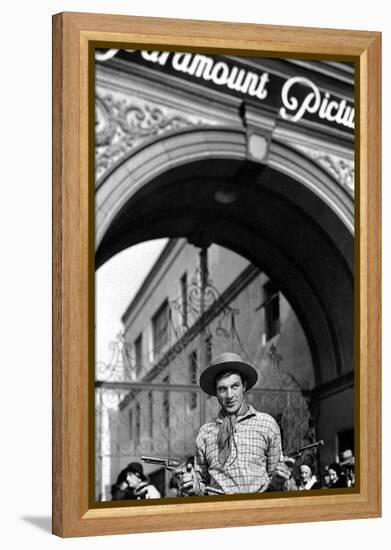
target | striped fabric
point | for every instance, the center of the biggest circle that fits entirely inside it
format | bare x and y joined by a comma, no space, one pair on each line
254,454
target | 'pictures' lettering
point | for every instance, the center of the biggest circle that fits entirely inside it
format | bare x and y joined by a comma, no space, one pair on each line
314,103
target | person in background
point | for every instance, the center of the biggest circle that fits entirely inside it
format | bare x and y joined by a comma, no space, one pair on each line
325,478
138,482
337,478
120,490
347,464
307,480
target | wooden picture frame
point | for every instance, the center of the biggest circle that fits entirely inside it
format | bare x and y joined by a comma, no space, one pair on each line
73,33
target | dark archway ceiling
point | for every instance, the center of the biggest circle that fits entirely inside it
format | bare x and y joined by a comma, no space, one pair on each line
276,223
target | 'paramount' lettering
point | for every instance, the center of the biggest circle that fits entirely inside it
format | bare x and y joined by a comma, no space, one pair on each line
218,72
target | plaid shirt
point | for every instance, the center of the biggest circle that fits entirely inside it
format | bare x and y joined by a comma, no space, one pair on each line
255,451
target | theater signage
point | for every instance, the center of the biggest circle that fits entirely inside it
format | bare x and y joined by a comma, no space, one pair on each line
295,98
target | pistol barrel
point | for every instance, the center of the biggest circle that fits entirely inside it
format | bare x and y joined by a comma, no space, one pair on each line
311,445
154,460
298,452
167,462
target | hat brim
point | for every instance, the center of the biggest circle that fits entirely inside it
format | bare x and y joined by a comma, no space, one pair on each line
208,377
347,462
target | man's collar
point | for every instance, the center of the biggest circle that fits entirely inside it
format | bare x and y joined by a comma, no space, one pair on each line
250,412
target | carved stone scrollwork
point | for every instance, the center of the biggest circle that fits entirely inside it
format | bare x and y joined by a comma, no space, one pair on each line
340,168
121,125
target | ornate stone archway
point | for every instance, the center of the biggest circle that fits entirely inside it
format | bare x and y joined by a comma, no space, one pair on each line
286,225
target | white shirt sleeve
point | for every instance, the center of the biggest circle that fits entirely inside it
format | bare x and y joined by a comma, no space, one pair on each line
152,492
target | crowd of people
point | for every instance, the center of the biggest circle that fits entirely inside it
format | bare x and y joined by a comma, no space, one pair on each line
239,451
337,475
133,484
342,474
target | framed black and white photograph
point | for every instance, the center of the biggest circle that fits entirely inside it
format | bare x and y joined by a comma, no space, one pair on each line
218,231
237,174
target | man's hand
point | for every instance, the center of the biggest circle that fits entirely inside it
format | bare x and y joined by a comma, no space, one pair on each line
188,481
284,467
282,473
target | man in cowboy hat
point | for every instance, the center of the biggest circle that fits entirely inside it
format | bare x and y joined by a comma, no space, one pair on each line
347,464
240,450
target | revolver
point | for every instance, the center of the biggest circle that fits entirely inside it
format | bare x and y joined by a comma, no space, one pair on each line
177,468
171,464
300,450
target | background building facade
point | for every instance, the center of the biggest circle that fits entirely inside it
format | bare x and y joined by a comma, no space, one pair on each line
168,341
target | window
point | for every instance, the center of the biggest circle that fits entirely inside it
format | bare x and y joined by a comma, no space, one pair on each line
193,375
150,406
131,433
272,310
208,344
204,270
138,424
166,404
208,359
160,328
138,352
183,283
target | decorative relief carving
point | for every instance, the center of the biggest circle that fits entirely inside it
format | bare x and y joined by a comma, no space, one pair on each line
340,168
121,125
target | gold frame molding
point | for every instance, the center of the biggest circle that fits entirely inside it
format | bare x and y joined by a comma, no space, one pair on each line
73,514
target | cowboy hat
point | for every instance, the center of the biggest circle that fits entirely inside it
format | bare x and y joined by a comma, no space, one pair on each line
227,362
347,458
